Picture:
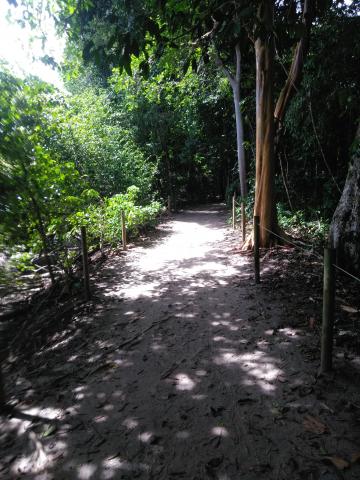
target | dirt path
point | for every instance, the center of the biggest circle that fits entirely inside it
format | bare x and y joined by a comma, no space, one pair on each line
182,368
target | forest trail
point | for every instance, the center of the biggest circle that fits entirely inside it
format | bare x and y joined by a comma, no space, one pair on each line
181,368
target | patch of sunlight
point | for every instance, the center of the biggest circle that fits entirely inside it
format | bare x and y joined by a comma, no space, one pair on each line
199,396
48,413
258,366
86,471
79,388
94,358
289,332
143,290
156,347
184,315
145,437
220,431
184,382
61,343
112,464
130,423
219,338
201,373
72,358
118,394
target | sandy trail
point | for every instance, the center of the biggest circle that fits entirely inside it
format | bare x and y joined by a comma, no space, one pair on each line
183,368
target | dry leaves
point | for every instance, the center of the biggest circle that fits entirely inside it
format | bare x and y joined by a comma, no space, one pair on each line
338,462
342,464
355,457
314,425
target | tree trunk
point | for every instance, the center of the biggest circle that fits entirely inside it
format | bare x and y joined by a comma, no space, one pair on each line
234,81
264,179
240,142
345,225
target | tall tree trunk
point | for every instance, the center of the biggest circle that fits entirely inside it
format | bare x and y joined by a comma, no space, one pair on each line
345,224
240,143
234,81
264,178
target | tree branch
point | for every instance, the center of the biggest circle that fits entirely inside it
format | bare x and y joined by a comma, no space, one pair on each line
295,73
221,65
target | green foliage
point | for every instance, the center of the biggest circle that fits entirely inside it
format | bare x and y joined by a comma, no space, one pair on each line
306,225
94,133
53,152
323,116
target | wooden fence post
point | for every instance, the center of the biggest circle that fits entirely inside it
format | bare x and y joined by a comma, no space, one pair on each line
169,204
123,229
243,221
328,310
233,210
256,248
85,263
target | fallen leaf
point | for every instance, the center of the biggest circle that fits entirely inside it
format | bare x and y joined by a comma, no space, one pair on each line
355,457
348,309
49,431
339,463
314,425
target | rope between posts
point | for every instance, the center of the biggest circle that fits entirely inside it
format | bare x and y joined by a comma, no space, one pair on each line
347,273
294,244
311,253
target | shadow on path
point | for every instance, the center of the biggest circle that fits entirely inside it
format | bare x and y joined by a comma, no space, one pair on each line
182,368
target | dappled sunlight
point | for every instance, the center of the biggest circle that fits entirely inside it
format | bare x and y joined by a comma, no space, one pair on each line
219,431
86,471
130,423
179,372
184,382
146,437
260,368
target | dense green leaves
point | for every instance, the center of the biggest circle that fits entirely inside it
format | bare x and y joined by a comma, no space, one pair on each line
56,152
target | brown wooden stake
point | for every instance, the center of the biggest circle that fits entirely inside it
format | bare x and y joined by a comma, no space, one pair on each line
85,263
123,229
256,248
328,310
243,221
233,211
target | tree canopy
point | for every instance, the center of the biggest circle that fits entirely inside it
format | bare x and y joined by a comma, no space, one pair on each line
148,104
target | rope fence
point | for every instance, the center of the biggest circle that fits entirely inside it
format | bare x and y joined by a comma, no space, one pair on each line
86,292
329,288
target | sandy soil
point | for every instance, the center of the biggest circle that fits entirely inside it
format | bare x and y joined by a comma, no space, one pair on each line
182,368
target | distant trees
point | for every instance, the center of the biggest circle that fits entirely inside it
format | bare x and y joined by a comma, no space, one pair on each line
156,108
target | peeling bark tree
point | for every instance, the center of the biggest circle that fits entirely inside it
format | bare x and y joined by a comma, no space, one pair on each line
295,73
268,121
345,225
234,81
264,178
